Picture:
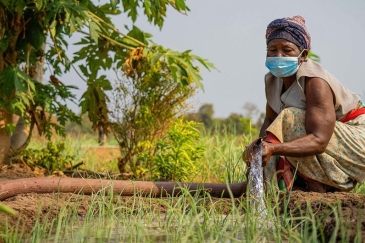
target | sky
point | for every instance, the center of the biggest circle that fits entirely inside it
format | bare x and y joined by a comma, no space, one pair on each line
231,35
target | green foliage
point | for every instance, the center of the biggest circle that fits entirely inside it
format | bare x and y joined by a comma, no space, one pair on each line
236,124
26,24
35,34
178,153
10,128
205,114
222,161
314,57
84,128
181,65
52,157
50,100
155,10
16,89
94,101
36,99
146,100
6,209
132,54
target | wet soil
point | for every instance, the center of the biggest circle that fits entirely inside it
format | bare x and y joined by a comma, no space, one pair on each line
327,208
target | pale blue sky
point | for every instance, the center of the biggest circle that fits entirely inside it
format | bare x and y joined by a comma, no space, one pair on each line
231,34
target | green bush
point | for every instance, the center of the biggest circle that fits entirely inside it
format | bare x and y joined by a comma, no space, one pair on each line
53,157
144,105
177,154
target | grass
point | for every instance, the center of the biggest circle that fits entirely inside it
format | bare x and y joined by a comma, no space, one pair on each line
222,161
108,220
111,218
185,219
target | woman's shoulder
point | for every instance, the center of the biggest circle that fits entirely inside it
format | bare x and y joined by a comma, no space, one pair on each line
312,69
345,100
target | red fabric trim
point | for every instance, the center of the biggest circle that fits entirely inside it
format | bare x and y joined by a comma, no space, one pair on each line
353,114
285,172
271,138
284,167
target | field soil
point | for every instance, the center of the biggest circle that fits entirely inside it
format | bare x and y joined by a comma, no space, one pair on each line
103,153
349,206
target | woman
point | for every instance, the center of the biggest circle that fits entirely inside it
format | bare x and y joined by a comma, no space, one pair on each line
314,127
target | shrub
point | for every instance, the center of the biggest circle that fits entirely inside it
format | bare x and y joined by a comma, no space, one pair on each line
177,154
53,157
144,104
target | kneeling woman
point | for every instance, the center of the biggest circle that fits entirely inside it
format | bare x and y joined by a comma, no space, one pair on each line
314,129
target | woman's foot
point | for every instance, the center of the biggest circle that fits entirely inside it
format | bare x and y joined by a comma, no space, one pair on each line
314,186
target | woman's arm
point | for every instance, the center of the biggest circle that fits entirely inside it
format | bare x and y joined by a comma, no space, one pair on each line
319,123
269,118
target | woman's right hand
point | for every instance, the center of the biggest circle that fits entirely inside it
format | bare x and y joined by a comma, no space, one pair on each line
267,152
249,150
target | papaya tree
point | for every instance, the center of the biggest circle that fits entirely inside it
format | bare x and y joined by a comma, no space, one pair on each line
26,25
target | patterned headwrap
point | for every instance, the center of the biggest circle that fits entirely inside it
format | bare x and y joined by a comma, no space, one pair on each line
291,29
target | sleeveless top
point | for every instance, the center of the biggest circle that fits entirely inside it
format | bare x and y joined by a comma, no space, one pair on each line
345,100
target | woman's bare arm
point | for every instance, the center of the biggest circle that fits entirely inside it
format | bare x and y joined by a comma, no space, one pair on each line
269,118
319,122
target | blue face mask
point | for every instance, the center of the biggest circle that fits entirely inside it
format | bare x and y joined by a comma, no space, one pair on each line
282,66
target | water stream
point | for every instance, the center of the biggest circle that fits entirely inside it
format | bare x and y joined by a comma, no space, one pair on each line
255,179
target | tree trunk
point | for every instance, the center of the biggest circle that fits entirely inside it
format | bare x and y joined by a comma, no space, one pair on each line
102,136
21,133
5,118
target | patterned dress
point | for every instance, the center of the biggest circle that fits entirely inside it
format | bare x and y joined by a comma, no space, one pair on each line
343,162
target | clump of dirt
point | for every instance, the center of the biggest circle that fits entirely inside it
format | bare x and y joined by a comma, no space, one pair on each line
17,171
330,211
32,207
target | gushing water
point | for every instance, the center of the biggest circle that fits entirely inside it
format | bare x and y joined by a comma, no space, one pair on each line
256,181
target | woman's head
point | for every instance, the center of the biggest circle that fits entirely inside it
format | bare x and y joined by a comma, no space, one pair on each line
288,43
290,29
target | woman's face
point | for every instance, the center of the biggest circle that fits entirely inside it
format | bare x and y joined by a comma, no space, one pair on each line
284,48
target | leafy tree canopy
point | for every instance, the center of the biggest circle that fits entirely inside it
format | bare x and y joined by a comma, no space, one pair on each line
25,25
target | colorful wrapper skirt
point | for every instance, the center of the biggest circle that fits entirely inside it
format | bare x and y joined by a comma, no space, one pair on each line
340,166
